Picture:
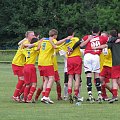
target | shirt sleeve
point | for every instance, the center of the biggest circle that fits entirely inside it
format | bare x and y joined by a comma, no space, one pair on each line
54,41
85,38
109,45
36,44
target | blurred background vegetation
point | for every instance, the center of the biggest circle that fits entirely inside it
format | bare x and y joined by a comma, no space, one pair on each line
19,16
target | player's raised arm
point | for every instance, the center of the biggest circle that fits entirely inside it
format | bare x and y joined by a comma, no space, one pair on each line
20,42
63,40
51,41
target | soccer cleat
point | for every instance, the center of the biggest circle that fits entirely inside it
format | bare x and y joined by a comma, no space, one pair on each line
46,100
65,98
50,101
30,101
70,99
91,99
112,100
80,99
43,99
24,101
17,99
75,98
106,99
59,98
100,99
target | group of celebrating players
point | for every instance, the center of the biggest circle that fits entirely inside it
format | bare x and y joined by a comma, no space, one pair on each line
101,57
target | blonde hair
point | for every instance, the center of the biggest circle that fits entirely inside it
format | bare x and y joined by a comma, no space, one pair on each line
28,32
53,32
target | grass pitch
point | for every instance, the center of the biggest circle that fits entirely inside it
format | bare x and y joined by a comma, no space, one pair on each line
60,110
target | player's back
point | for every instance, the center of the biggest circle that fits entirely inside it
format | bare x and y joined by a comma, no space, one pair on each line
94,42
30,55
46,53
70,43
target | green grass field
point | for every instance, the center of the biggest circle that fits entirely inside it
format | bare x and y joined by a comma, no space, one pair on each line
61,110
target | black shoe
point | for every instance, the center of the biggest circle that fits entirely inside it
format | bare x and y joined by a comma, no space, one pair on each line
91,99
70,99
112,100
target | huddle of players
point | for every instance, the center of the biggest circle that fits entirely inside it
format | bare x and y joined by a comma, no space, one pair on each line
23,65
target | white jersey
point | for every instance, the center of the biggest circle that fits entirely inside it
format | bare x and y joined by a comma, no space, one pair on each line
63,53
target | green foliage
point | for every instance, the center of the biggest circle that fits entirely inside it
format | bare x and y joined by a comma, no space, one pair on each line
42,15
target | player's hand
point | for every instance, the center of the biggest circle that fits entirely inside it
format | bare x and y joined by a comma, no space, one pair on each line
69,37
117,41
90,37
51,38
41,39
69,52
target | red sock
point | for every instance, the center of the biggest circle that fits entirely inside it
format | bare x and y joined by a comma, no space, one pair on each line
58,90
18,87
26,92
22,90
76,92
47,92
32,90
114,91
38,93
69,91
43,94
103,89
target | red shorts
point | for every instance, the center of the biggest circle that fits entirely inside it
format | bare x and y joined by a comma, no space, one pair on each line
74,65
17,70
115,72
30,74
57,77
46,70
107,80
106,72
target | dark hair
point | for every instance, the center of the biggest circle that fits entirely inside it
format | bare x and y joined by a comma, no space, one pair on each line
114,33
37,33
95,29
69,31
33,40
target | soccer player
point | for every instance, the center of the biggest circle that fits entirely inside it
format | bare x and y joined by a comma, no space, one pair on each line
30,71
115,72
45,63
74,65
105,74
91,61
18,65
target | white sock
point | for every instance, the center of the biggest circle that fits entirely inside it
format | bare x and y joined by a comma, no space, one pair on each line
65,90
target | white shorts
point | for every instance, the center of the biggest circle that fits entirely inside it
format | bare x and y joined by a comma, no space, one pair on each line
92,63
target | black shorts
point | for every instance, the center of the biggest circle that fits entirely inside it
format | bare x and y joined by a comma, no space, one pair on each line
66,78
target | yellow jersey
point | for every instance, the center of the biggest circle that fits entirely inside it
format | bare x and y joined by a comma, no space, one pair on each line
108,58
19,58
70,43
101,61
46,53
30,55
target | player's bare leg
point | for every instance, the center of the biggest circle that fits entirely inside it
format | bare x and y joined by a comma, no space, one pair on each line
70,79
114,90
58,88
